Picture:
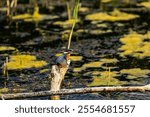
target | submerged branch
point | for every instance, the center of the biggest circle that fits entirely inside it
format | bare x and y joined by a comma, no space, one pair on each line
77,91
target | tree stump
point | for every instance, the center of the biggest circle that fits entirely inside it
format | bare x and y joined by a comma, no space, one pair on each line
56,77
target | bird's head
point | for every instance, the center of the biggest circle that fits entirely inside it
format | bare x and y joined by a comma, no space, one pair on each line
68,53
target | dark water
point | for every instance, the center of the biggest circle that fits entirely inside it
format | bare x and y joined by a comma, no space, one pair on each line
44,39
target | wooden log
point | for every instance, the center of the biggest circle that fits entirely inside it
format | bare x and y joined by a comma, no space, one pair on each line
56,78
77,91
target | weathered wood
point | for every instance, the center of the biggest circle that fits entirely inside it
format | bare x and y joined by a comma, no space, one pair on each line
56,78
77,91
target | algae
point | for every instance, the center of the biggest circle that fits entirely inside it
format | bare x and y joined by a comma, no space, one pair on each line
3,90
145,4
135,73
115,15
134,44
7,48
18,62
106,78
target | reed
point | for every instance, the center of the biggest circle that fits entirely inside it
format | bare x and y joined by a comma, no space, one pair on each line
5,71
70,8
11,7
75,17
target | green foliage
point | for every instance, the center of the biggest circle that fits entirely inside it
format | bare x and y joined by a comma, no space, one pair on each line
75,15
76,8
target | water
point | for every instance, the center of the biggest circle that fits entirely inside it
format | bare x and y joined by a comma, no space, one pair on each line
97,58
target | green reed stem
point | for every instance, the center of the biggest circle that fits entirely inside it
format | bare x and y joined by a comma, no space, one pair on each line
75,17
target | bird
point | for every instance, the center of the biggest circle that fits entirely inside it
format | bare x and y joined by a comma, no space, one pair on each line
63,61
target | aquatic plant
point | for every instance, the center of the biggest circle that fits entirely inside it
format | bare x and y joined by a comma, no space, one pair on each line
66,23
83,9
106,78
75,17
69,10
5,69
3,90
11,6
7,48
36,16
134,44
145,4
95,64
115,15
19,62
135,73
99,32
109,60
